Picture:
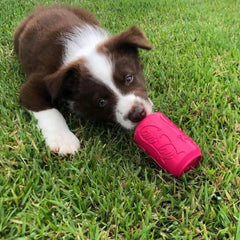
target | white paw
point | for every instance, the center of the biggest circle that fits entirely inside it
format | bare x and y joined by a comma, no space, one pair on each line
56,132
62,142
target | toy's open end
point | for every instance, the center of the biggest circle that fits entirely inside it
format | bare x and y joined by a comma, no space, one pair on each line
190,162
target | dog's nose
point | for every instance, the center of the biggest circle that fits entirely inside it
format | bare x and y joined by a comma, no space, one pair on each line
137,113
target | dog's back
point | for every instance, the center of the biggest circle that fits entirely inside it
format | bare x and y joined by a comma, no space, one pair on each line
35,38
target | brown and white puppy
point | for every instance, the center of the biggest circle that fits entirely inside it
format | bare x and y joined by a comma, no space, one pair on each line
66,55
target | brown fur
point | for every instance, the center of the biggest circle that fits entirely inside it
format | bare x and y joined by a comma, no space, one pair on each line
37,45
39,52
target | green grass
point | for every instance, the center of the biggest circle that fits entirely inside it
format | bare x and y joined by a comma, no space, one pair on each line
112,189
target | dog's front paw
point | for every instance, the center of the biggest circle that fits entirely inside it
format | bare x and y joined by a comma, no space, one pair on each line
62,142
56,132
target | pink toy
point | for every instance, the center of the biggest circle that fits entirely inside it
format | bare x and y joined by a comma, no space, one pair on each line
167,145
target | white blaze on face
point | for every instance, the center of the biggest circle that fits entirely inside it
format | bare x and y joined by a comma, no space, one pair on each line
101,68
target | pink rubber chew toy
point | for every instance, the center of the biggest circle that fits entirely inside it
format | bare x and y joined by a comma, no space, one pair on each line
167,145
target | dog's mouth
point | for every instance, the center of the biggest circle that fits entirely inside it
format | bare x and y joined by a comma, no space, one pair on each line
131,110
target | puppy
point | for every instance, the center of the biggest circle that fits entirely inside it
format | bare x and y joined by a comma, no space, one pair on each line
66,55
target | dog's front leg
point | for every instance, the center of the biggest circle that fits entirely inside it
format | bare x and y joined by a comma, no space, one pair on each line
56,132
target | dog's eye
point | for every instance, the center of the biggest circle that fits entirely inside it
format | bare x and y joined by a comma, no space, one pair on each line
128,79
102,102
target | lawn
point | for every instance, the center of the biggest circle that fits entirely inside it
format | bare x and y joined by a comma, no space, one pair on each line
111,189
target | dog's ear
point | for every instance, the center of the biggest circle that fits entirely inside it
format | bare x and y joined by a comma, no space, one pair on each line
132,37
63,82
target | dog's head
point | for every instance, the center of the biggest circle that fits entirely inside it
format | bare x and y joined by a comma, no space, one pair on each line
108,83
